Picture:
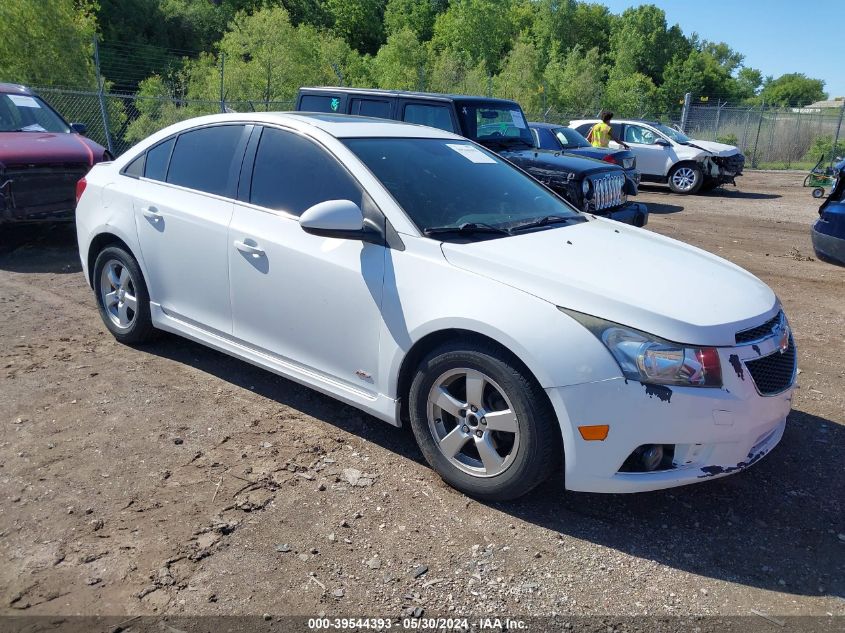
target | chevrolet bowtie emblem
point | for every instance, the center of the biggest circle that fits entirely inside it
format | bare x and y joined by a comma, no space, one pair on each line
781,332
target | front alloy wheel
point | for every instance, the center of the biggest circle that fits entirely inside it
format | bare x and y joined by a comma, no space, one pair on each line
473,422
482,421
685,179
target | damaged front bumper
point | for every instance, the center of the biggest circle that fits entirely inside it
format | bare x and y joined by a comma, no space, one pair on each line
723,169
634,213
706,433
42,193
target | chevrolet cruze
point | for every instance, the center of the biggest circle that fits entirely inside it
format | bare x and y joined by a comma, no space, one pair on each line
417,276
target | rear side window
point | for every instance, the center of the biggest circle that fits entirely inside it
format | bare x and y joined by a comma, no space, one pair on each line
370,107
292,173
202,159
431,115
319,103
157,157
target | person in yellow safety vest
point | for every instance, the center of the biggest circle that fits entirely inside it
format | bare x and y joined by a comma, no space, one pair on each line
601,133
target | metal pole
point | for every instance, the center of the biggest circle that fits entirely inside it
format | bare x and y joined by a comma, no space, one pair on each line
222,71
102,97
836,136
685,112
718,116
757,139
796,142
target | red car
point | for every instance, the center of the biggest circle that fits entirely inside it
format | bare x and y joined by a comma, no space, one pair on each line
42,157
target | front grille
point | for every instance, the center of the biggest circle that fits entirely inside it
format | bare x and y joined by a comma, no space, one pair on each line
733,163
42,186
759,332
607,191
773,373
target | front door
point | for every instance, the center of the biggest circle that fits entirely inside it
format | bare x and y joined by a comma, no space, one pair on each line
652,159
311,301
182,211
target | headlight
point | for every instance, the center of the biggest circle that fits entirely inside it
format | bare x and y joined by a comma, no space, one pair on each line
650,359
585,187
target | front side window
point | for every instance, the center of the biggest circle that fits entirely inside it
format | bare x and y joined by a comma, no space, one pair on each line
569,138
484,122
639,135
292,173
441,182
202,159
431,115
28,113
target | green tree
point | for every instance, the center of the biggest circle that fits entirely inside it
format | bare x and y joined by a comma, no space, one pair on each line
359,22
401,63
700,74
642,42
632,95
593,24
792,89
482,29
748,82
553,26
576,82
47,42
455,72
521,78
417,15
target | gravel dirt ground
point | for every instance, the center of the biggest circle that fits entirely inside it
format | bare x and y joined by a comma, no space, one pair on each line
172,479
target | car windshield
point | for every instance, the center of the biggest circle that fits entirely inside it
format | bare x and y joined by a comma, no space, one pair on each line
675,135
28,113
449,183
494,124
570,139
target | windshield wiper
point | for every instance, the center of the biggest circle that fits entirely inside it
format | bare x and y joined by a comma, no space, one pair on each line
466,228
547,220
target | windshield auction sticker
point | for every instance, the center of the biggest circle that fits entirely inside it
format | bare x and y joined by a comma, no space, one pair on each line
518,121
471,153
22,101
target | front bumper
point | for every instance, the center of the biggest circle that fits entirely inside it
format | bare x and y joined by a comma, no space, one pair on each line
714,432
634,213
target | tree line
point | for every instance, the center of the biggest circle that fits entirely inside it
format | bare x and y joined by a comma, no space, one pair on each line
560,55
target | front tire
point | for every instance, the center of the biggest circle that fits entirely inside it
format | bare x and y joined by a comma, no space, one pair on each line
685,178
122,296
482,422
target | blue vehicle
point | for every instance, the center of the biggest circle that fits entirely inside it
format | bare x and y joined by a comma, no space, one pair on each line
828,231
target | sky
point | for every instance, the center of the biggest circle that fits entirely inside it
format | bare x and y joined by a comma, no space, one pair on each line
776,36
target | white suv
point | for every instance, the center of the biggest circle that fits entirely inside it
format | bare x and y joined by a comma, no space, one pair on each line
420,277
666,155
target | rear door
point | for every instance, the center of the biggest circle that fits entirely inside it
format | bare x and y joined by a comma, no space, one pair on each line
183,206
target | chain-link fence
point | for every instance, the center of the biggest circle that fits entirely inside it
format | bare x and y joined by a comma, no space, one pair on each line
772,137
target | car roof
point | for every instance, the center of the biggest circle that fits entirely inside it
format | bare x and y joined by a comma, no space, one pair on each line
439,96
14,89
337,125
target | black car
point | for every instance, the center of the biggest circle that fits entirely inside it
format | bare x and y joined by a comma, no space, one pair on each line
594,186
564,139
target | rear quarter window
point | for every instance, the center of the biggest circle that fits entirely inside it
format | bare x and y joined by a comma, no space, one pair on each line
320,103
155,166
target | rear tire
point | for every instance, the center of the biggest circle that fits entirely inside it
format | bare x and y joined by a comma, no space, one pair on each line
482,422
686,178
122,296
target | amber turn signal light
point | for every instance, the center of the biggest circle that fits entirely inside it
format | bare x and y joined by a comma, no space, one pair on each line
594,432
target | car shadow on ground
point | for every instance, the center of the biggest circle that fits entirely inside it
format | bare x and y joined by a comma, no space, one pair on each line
658,208
39,248
719,192
774,526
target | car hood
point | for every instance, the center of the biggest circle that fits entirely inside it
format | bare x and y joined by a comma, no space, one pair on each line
30,148
717,149
551,160
626,275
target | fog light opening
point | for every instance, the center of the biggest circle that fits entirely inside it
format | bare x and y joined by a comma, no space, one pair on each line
650,458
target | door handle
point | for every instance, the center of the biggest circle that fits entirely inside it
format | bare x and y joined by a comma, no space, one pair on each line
249,249
152,213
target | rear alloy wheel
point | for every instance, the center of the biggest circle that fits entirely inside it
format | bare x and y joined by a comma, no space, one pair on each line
685,178
482,423
122,296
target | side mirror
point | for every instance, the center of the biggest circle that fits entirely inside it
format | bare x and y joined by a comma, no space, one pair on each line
342,219
79,128
663,143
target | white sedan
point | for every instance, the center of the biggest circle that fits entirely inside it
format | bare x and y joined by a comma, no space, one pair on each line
415,275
